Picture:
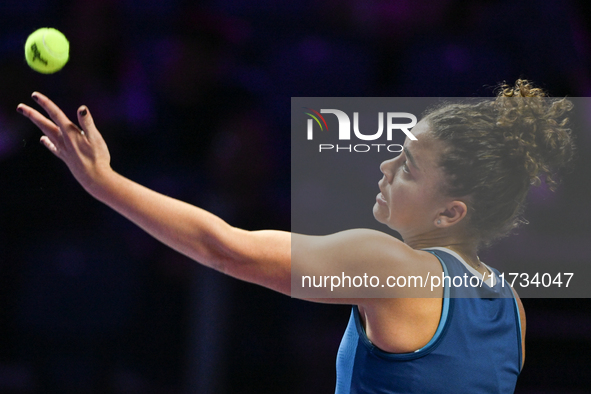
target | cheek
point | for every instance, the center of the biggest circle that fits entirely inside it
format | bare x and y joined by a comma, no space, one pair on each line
399,205
402,191
408,200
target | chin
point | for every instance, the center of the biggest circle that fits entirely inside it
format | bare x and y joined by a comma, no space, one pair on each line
378,215
383,217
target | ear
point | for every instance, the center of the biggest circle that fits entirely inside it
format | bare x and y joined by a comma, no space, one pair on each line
452,214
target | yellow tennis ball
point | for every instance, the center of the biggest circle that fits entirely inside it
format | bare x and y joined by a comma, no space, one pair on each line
47,50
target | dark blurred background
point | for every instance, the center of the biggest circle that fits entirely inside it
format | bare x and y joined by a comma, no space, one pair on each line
193,99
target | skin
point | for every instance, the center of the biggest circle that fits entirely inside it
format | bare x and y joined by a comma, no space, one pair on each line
409,202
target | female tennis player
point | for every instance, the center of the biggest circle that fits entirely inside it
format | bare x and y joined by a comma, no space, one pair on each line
459,186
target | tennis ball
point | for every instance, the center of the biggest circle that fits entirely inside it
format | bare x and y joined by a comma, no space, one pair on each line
47,50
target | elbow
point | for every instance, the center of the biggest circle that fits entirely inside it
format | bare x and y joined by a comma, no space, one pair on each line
251,256
223,251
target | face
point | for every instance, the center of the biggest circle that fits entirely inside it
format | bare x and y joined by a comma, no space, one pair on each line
410,200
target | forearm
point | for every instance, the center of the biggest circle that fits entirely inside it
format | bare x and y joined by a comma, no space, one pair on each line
188,229
262,257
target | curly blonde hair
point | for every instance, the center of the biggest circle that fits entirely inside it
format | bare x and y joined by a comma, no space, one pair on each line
496,149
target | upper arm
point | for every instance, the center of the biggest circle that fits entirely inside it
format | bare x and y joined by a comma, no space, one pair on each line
354,267
278,260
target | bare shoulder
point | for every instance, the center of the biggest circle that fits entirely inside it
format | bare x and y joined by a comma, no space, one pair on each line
364,253
352,248
396,320
355,236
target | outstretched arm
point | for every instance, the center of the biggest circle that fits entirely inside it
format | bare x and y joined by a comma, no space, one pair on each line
261,257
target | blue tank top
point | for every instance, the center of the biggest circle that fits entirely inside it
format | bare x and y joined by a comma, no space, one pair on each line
476,348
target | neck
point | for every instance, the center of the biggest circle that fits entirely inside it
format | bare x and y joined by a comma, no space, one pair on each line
468,249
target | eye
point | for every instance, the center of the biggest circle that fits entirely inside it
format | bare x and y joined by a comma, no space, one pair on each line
405,168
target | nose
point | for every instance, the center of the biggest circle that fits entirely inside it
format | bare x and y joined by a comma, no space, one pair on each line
388,169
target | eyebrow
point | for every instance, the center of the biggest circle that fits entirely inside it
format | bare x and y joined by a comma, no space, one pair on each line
410,157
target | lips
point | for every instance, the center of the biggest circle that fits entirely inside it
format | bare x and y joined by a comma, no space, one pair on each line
380,199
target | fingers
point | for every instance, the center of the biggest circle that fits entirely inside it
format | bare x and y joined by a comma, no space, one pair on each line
47,127
49,145
86,122
51,131
59,132
84,157
54,112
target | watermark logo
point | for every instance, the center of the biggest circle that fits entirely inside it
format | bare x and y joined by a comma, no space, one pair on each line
390,119
315,117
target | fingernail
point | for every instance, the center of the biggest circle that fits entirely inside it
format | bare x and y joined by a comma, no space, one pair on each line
20,110
83,112
35,97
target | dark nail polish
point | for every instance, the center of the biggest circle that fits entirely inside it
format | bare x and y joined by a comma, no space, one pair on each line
35,97
20,110
83,112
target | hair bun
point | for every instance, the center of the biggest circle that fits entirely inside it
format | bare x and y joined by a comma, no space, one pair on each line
535,129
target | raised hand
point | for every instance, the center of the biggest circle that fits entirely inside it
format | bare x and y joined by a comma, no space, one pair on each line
262,257
82,149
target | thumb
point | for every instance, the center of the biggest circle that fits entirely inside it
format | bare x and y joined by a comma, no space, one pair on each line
86,122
